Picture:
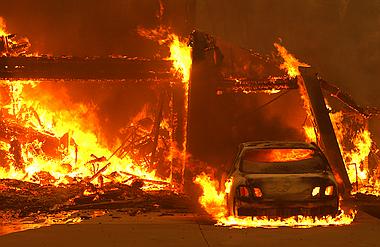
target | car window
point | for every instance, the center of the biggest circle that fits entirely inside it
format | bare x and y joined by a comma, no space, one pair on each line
282,161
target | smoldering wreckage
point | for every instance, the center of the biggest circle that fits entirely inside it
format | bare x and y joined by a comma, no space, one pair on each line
53,159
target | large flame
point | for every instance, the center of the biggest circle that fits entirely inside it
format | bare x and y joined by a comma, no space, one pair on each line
180,55
58,120
73,122
213,200
180,52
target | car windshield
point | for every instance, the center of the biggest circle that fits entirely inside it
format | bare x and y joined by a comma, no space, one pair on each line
282,161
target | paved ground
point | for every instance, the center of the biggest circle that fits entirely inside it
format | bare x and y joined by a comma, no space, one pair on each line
186,230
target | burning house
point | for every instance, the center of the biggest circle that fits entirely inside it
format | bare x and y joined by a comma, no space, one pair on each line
116,131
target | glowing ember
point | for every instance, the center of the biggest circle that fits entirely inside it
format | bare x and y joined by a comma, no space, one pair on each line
213,200
272,91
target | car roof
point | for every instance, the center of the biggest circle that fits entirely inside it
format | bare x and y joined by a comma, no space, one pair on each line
279,144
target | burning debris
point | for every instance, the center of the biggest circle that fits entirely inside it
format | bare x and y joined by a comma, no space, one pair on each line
10,45
53,146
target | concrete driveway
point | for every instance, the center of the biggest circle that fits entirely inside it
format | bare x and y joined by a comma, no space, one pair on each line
118,229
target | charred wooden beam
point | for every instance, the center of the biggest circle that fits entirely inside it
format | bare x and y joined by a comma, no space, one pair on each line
12,130
346,99
98,173
157,122
327,135
10,45
99,68
232,85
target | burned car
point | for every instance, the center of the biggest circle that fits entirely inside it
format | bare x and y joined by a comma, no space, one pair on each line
281,179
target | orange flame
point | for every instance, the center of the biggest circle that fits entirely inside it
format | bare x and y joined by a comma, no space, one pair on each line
12,46
291,64
310,133
47,116
180,54
3,27
356,155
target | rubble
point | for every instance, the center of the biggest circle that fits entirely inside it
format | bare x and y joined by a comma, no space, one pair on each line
10,45
27,198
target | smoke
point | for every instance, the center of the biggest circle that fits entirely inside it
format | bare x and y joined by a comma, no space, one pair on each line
219,123
343,48
82,28
339,38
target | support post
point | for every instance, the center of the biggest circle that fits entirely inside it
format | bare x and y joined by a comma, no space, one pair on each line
327,135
